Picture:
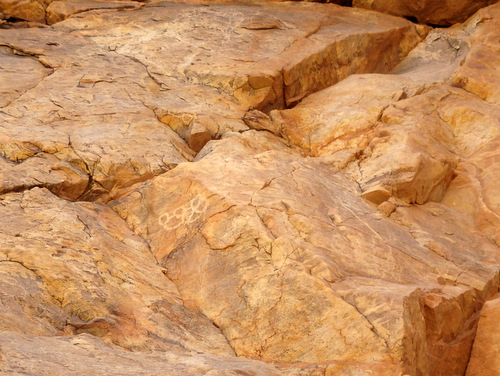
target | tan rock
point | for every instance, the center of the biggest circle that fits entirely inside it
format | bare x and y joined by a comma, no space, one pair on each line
485,357
480,72
406,154
77,355
247,239
76,268
353,234
50,12
427,11
60,177
60,10
439,339
19,74
130,85
258,120
29,10
259,57
90,147
402,153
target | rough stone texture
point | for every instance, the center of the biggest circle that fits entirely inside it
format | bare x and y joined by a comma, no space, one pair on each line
250,249
85,354
264,189
29,10
50,11
406,131
58,11
130,85
432,12
480,72
74,268
112,145
435,12
485,357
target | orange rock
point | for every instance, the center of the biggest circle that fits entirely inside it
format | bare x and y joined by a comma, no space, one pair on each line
485,357
77,355
247,241
267,190
200,86
433,12
29,10
76,268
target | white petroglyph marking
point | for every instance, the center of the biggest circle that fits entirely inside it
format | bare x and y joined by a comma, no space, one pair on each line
183,215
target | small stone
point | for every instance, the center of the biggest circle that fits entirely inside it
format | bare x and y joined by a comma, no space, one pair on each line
257,120
387,208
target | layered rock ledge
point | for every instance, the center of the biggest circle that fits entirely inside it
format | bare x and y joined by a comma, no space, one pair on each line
249,188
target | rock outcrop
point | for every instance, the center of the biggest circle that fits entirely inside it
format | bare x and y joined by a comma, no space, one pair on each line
73,268
435,12
485,357
249,188
131,85
60,356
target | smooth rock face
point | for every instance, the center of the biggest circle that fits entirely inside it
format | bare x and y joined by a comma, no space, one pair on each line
197,182
485,357
435,12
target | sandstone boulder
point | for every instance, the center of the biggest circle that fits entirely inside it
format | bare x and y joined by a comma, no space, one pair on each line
29,10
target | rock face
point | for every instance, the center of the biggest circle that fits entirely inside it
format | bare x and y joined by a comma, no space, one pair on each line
52,11
435,12
94,276
485,357
76,355
248,188
199,87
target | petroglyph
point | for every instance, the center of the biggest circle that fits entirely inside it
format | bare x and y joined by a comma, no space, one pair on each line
184,214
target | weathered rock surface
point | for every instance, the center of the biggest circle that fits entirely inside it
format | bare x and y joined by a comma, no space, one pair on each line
485,357
52,11
29,10
74,268
85,355
130,85
264,189
435,12
248,241
407,131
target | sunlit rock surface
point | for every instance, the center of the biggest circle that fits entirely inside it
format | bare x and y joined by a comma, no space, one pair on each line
248,188
485,357
98,86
